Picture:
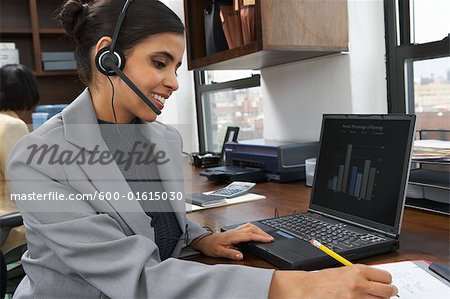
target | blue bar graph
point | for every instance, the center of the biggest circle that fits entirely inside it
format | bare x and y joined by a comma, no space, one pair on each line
351,189
334,183
355,176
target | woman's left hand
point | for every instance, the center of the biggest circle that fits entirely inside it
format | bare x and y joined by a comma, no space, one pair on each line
223,244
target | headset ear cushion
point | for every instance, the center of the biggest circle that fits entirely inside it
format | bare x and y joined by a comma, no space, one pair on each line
105,58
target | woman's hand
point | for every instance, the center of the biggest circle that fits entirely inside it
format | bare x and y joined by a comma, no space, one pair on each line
223,244
357,281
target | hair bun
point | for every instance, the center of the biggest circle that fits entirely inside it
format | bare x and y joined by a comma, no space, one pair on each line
70,16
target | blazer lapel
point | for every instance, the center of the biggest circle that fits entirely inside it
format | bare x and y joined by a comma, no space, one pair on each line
82,130
109,181
171,171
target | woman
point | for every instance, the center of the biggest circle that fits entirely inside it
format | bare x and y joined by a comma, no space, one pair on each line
18,94
122,247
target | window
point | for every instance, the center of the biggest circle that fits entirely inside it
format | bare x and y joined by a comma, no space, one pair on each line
418,60
228,98
429,20
432,93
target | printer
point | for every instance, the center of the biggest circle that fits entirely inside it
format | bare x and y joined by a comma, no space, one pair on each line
281,161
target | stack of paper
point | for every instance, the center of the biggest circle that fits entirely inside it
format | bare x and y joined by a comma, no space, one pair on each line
431,149
58,61
8,54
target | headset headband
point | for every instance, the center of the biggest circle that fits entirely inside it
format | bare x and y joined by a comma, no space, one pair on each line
119,25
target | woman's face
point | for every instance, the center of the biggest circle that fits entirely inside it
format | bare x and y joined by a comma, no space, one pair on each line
152,66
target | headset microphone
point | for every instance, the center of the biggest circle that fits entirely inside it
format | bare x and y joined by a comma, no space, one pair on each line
134,87
110,62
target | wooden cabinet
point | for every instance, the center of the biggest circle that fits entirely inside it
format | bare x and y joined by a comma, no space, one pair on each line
31,25
286,31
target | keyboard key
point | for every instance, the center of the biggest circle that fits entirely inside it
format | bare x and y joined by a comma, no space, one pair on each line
335,236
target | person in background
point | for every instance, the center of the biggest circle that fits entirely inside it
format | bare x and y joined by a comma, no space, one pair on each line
125,248
18,95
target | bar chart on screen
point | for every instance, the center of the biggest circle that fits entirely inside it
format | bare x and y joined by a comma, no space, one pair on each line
356,170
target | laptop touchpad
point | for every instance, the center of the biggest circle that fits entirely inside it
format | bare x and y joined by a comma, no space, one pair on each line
289,247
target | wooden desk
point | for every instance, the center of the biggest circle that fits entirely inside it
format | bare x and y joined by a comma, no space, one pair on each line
423,235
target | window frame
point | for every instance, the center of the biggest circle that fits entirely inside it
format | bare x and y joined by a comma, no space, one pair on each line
202,87
401,53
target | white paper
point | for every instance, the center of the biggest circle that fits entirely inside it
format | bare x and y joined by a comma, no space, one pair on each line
9,46
228,201
432,144
414,282
9,56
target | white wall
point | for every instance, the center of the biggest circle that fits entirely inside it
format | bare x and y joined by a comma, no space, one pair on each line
297,94
180,108
367,53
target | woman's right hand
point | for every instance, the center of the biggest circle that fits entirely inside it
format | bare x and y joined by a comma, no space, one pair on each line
356,281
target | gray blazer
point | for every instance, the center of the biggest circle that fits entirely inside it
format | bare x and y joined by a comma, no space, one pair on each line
106,248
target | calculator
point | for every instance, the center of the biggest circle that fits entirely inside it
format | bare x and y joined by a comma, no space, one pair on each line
234,189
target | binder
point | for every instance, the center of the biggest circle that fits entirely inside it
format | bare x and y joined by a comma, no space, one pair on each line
215,40
248,23
231,23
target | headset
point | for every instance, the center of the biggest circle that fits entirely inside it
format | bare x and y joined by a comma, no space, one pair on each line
110,62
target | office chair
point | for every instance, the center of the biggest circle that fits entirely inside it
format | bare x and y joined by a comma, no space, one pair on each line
50,109
10,279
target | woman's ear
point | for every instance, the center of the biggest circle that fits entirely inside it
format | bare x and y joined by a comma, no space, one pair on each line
103,42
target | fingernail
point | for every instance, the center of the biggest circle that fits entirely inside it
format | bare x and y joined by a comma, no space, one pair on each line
238,256
396,291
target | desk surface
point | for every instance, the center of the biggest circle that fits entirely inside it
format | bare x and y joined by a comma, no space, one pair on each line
423,235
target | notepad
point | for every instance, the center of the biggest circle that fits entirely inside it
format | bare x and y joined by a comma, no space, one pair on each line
413,282
228,201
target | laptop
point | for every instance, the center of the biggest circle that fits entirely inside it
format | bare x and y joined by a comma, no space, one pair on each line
357,199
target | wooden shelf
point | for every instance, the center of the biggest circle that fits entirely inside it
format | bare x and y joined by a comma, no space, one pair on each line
55,73
57,31
15,31
225,58
253,56
31,26
286,31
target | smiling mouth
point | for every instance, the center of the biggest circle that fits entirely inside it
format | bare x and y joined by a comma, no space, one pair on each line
158,98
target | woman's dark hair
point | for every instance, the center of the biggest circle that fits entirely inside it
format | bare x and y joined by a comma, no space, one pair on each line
18,88
87,22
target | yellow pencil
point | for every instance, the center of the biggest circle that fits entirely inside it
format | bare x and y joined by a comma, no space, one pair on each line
333,254
330,252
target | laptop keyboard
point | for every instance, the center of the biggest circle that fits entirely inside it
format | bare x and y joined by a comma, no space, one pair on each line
334,236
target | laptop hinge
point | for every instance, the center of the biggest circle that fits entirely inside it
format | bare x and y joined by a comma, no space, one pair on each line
387,234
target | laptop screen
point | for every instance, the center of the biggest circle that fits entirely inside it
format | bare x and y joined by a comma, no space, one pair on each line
362,168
